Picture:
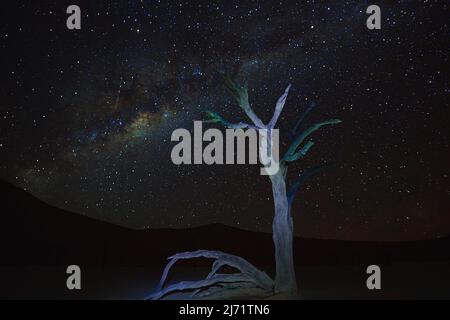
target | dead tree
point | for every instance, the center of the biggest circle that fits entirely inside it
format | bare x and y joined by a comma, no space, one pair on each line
250,281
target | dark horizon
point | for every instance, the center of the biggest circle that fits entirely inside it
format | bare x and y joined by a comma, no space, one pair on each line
36,207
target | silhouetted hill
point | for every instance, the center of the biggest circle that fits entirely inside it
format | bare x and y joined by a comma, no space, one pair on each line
34,233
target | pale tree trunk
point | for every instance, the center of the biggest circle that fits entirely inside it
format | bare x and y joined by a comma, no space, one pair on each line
282,226
250,281
285,280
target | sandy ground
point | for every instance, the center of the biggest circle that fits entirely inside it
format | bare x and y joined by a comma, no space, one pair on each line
408,281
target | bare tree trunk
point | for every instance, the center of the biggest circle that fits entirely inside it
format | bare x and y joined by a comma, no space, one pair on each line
250,281
285,280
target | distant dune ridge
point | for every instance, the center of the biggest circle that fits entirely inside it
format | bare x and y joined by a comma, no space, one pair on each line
36,234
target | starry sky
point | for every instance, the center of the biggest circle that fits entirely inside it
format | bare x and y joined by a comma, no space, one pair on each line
86,115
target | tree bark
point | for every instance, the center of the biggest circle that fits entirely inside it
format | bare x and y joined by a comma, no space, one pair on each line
285,280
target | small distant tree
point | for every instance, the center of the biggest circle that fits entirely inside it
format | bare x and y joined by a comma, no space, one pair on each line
250,281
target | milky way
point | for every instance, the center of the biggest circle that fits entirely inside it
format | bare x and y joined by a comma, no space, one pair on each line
86,116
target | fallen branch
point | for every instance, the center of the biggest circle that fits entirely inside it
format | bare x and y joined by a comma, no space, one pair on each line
248,279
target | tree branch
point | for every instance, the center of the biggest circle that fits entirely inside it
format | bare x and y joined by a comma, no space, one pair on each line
233,290
216,118
241,96
293,149
300,153
239,263
279,107
192,285
294,130
301,180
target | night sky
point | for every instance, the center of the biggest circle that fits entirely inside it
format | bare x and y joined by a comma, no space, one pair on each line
86,116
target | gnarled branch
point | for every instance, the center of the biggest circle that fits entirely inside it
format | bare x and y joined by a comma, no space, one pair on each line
300,153
247,273
240,94
302,178
193,285
294,130
214,117
279,107
293,149
232,290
